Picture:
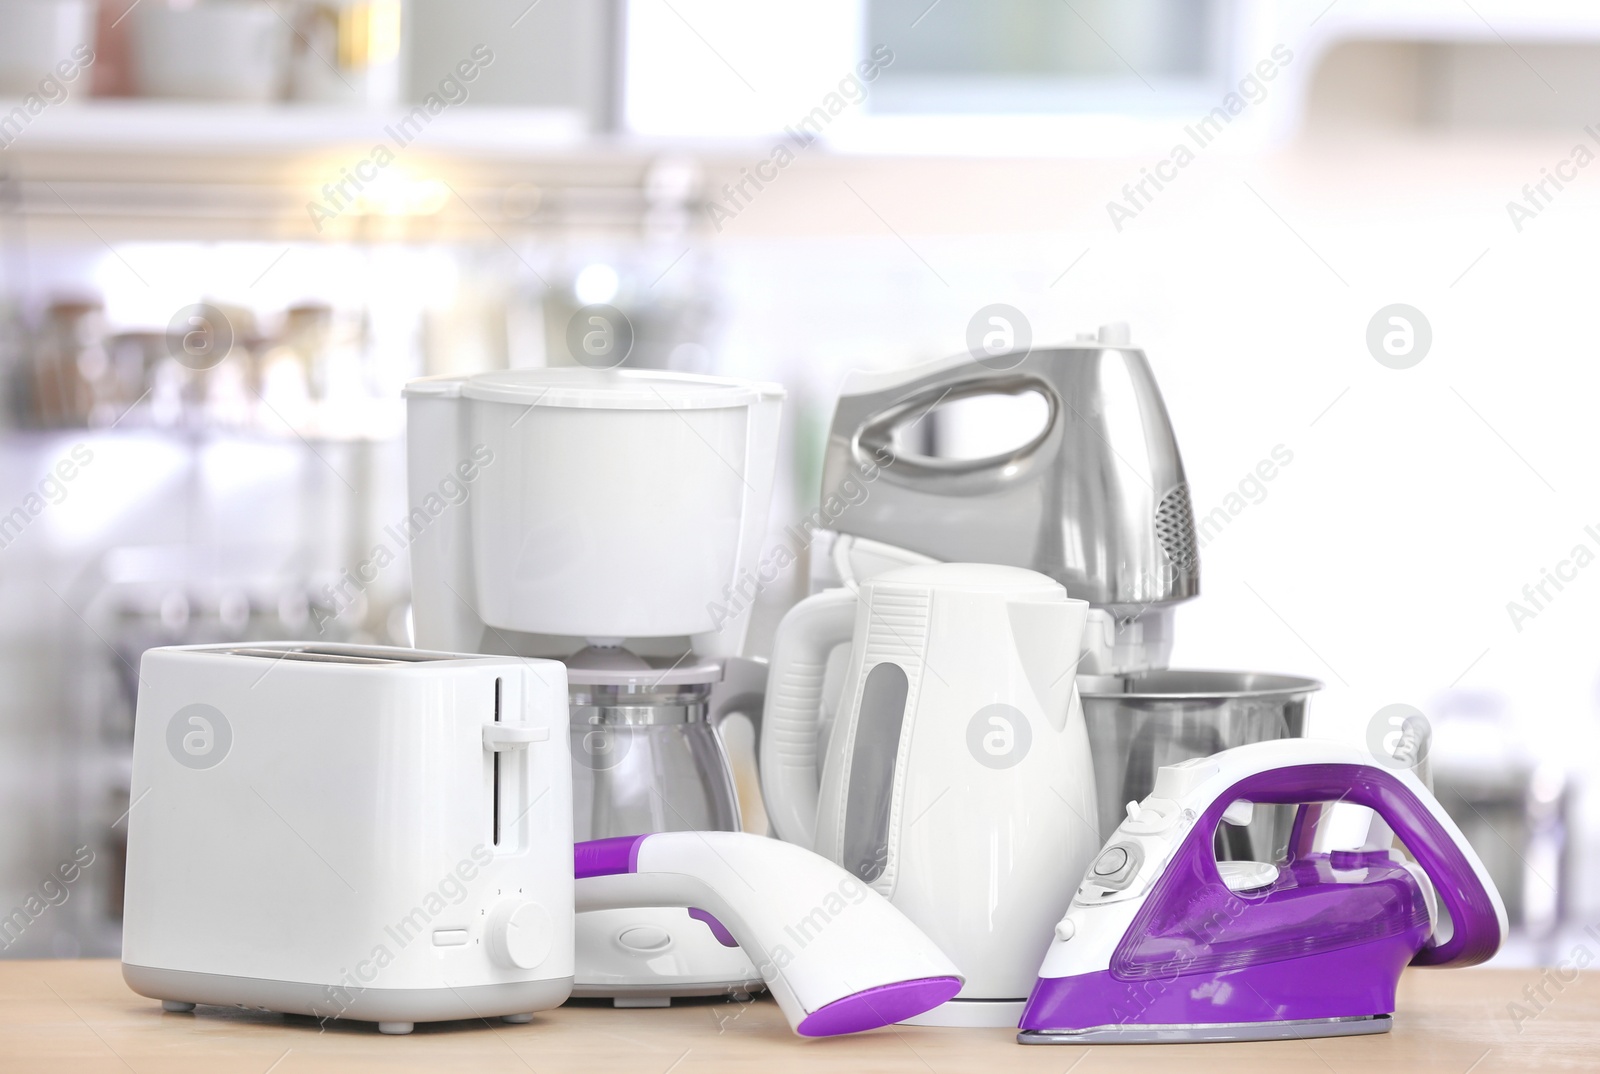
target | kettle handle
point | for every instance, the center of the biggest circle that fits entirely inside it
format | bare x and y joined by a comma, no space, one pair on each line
789,764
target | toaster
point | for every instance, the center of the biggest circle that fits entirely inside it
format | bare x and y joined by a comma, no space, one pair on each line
341,831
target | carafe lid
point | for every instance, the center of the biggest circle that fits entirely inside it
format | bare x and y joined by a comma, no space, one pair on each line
599,389
612,665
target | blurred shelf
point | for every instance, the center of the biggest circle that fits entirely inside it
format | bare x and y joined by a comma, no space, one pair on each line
202,128
130,170
313,422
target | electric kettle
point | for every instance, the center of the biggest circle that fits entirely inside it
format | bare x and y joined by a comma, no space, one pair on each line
956,779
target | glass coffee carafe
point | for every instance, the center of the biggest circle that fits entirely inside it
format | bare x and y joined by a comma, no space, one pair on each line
647,755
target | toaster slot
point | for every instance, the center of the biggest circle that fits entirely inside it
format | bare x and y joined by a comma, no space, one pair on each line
494,805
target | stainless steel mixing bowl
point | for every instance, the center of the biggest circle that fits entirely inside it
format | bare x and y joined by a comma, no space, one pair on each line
1137,723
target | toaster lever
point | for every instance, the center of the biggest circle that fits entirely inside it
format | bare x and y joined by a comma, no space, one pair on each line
499,737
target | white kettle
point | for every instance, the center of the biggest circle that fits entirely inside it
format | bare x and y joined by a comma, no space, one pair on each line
956,778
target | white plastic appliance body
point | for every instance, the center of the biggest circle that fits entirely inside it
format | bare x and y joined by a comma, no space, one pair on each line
550,507
956,778
617,504
837,956
349,832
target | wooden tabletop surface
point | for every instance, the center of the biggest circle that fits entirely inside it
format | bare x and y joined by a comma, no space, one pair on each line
68,1016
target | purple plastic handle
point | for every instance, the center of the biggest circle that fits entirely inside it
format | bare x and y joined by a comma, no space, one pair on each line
1476,934
718,929
606,857
619,855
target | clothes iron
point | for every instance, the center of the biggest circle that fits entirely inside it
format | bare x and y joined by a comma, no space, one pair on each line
1164,943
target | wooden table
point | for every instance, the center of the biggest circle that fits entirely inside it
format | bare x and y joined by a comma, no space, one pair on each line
67,1016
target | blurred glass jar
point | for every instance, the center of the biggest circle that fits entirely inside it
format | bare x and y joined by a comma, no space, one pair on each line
69,362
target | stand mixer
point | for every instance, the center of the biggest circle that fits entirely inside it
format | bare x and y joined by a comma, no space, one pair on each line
601,517
1097,499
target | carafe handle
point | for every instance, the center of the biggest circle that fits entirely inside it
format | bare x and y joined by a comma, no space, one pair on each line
743,690
789,763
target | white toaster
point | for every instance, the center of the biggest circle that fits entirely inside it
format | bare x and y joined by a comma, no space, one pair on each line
347,832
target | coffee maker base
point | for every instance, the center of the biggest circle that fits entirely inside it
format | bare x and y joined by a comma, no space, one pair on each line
646,957
972,1014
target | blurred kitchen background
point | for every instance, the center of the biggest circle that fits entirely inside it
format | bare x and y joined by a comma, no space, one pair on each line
230,230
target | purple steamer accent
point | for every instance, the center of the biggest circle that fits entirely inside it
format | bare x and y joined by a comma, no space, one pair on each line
1319,943
718,929
607,857
620,854
881,1006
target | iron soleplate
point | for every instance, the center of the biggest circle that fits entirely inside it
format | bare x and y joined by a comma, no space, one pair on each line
1210,1031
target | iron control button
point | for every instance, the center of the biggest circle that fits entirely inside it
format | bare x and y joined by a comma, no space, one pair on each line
1116,866
1154,816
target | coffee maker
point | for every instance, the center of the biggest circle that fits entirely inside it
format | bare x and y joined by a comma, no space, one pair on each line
604,517
1098,500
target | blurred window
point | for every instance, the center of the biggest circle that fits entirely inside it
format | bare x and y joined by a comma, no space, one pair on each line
1018,56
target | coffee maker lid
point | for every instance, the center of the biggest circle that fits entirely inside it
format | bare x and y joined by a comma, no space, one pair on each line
600,389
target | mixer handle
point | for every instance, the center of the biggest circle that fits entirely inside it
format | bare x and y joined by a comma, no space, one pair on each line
790,776
874,438
1463,884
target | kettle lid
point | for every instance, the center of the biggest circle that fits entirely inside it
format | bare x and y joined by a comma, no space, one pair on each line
993,576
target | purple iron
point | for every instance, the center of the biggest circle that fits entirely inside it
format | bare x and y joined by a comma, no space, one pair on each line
1162,943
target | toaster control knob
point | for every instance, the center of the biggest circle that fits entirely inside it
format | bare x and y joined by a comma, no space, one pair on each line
520,934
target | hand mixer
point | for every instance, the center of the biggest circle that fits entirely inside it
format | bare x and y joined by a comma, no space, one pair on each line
1162,942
